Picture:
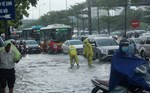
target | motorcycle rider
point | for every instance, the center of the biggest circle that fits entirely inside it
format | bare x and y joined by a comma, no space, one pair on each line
128,72
73,56
88,52
22,44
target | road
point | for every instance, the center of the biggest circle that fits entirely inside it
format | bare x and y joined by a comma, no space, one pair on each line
45,73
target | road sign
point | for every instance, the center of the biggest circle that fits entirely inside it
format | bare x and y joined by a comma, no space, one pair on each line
135,23
7,9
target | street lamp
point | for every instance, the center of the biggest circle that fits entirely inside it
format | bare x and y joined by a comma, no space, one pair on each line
50,5
66,4
89,16
39,8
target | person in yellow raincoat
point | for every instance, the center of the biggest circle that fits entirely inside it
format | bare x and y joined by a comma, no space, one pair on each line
73,56
88,51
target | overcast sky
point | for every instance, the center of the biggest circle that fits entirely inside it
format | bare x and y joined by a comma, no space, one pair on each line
45,6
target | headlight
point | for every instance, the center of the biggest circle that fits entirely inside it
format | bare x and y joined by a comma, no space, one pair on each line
42,42
27,47
104,52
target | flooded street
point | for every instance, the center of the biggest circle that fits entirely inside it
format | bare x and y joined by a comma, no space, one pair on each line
44,73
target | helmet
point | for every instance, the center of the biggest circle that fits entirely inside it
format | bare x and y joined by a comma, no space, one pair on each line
124,42
123,45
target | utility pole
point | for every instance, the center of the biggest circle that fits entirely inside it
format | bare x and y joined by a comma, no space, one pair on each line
50,5
98,20
66,4
77,25
89,17
108,23
125,30
6,30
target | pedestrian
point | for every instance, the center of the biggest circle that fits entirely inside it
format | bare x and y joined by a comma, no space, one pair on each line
88,52
73,56
7,68
128,72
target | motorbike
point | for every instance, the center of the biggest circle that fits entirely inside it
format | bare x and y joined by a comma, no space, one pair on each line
102,86
22,49
53,47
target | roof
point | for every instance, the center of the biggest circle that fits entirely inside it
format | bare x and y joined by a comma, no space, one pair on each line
97,37
56,26
74,40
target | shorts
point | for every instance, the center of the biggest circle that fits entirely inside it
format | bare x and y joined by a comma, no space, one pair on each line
7,77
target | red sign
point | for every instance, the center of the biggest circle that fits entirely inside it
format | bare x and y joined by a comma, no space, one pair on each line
135,23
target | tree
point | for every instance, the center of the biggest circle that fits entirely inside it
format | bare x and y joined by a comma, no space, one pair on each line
146,18
62,16
113,5
21,7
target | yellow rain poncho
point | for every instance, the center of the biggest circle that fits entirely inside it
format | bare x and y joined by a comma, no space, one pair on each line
17,54
88,51
73,55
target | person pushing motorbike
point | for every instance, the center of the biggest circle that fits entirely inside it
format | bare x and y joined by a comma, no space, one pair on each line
73,56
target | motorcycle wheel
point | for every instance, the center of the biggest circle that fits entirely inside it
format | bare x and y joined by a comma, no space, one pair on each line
54,51
96,90
49,51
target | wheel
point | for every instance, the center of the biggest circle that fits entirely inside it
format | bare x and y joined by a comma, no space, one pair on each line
99,57
143,55
97,90
54,51
63,51
49,51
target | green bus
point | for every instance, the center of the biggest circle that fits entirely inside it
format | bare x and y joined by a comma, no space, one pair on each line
32,33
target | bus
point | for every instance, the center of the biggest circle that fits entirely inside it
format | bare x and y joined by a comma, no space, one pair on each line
32,33
54,35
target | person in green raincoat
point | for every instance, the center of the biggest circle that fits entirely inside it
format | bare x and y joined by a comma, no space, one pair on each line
88,51
8,57
73,56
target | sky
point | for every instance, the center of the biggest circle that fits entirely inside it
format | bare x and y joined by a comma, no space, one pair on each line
45,6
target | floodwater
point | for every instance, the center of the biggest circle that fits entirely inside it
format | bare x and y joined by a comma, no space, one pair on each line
44,73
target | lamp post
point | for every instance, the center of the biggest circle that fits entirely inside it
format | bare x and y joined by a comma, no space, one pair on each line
98,20
89,17
50,5
66,4
39,9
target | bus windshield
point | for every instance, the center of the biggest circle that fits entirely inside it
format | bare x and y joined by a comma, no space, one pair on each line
32,33
62,34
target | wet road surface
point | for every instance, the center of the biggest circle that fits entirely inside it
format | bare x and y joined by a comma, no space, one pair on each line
44,73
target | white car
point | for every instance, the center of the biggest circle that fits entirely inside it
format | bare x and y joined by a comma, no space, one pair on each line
78,44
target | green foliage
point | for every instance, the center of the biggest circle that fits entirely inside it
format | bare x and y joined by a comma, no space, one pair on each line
116,22
146,18
60,17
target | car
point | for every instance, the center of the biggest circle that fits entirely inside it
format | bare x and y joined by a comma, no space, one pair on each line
144,47
136,42
103,47
146,34
78,44
32,46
